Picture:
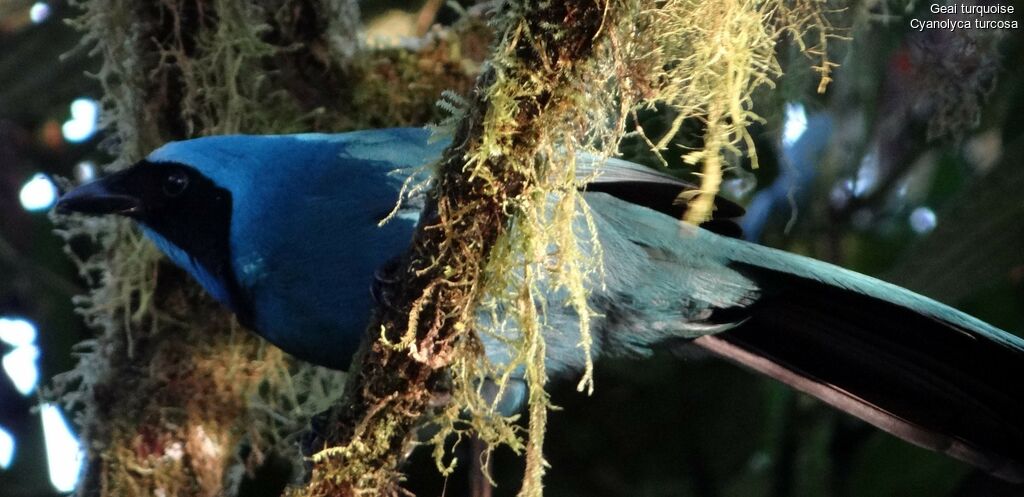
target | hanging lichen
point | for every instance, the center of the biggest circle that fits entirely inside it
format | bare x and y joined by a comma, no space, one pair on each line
704,60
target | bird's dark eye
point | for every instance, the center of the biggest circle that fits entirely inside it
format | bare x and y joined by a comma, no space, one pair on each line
175,182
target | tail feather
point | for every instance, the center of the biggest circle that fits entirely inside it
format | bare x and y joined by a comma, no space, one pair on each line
916,368
911,366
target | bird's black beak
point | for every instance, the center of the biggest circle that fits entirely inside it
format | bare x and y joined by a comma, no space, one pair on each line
103,196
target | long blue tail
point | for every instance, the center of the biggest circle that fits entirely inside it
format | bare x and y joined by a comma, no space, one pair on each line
909,365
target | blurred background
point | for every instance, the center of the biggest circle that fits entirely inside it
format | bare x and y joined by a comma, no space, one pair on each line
906,169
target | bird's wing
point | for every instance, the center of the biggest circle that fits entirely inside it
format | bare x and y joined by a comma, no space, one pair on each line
653,189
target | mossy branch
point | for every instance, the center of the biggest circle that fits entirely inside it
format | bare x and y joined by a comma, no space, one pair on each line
485,183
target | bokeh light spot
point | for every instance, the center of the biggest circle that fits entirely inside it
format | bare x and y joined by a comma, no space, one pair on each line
923,220
17,332
39,12
63,452
85,113
85,171
38,194
21,367
6,448
795,124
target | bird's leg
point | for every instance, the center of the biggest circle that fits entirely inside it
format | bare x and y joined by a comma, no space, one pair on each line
313,440
384,278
